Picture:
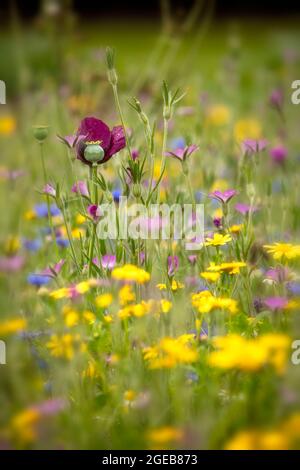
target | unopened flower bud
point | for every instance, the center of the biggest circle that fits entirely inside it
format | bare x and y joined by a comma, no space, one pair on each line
40,132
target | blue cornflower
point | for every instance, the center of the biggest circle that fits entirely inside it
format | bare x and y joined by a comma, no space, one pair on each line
38,279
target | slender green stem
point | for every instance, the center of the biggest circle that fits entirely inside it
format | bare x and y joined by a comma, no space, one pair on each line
69,235
190,189
163,152
93,176
117,101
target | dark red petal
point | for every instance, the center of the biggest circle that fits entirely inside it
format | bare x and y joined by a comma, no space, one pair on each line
117,143
94,130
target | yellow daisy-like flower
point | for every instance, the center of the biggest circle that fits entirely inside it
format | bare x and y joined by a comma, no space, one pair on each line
170,352
232,267
131,273
211,277
13,325
218,240
23,425
206,302
104,300
235,228
61,346
164,435
258,440
126,295
71,316
218,115
165,305
247,129
283,251
175,285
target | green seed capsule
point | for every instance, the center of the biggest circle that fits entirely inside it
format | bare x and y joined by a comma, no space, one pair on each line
94,153
40,132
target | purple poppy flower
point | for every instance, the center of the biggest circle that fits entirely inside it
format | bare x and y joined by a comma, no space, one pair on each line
245,208
48,189
173,263
182,153
80,187
275,303
279,154
94,211
223,196
251,146
108,261
97,133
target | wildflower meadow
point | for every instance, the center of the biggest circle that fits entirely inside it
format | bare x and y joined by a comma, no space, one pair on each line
150,232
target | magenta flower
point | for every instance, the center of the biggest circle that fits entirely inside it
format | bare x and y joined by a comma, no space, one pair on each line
223,196
135,154
278,274
183,153
98,134
80,187
251,146
108,261
94,212
173,263
192,259
275,303
53,271
276,98
279,154
48,189
245,208
71,140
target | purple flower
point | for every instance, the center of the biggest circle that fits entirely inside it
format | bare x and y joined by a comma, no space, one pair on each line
53,271
276,98
38,279
94,211
183,153
251,146
278,274
80,187
245,208
278,154
48,189
71,140
50,407
192,259
275,303
223,196
173,263
135,154
10,264
98,133
217,221
108,261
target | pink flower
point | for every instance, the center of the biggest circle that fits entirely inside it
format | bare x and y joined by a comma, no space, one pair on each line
48,189
275,303
108,261
223,196
80,187
279,154
94,211
183,153
251,146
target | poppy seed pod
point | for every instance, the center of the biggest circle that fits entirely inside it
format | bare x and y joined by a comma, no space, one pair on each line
93,152
40,133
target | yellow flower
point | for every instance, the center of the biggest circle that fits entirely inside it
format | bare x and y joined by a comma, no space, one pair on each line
175,285
232,267
8,125
211,277
165,435
218,240
205,302
170,352
104,300
218,115
108,319
258,440
78,233
12,245
83,287
130,272
129,395
62,346
283,251
89,317
30,215
80,219
126,295
235,228
235,352
136,310
71,316
165,305
61,293
14,325
247,129
23,425
219,185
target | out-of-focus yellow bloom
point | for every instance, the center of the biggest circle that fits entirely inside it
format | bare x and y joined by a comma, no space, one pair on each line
258,440
78,233
218,115
235,228
83,287
218,214
211,277
8,125
130,272
71,316
218,240
30,215
175,285
59,293
12,245
126,295
62,346
14,325
108,319
89,317
164,435
283,251
165,305
104,300
219,185
250,355
91,370
134,310
170,352
247,129
129,395
205,302
80,219
231,267
22,426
